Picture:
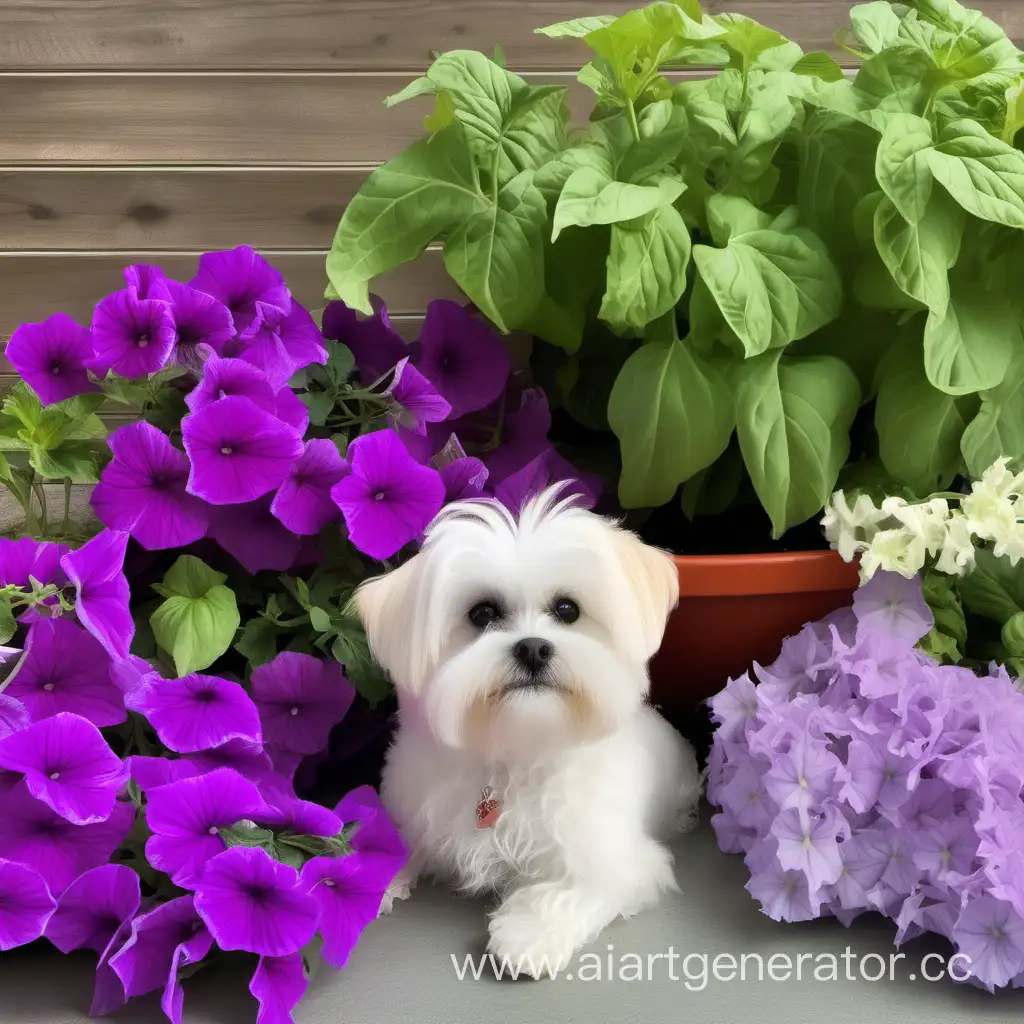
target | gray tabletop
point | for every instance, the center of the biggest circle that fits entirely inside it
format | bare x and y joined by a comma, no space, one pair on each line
403,970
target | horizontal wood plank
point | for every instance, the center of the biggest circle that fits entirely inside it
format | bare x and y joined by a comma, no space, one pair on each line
351,34
167,208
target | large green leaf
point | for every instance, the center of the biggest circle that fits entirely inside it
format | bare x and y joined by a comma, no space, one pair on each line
746,39
646,269
590,196
997,429
919,427
189,577
77,461
772,286
793,417
672,413
497,255
901,164
876,25
899,79
404,205
994,588
577,28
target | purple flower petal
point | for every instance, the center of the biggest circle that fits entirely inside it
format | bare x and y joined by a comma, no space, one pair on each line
199,319
239,278
376,839
524,435
251,902
238,451
303,501
290,409
247,758
26,558
66,669
893,604
54,357
25,905
373,342
515,491
142,491
281,343
131,336
101,602
416,400
463,479
13,715
278,984
197,711
68,765
231,378
388,499
287,811
255,537
94,907
151,772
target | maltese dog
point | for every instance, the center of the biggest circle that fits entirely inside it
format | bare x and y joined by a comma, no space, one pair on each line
526,759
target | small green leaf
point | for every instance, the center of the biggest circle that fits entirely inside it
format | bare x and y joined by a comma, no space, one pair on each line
993,589
590,197
746,39
946,639
901,164
876,25
258,642
196,631
77,461
319,404
577,28
818,64
340,363
189,577
319,619
8,624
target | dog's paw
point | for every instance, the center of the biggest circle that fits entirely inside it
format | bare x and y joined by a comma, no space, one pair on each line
524,944
399,889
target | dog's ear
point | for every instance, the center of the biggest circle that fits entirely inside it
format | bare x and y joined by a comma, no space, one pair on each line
392,611
653,581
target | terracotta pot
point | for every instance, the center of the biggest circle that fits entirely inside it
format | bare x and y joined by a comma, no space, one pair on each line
737,609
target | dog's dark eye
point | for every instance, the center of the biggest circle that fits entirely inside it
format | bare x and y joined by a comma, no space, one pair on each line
483,614
566,611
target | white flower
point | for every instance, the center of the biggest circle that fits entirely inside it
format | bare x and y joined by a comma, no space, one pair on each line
927,521
841,523
895,550
990,508
958,552
1011,544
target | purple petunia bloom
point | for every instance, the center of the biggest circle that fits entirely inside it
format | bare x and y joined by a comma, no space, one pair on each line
54,357
291,409
131,336
13,715
239,278
142,490
388,499
524,435
416,403
186,817
25,905
101,599
254,903
462,357
151,772
162,942
94,907
300,699
991,933
66,669
197,711
280,343
463,479
540,473
231,378
895,606
376,839
255,536
303,501
33,834
245,757
26,558
375,345
238,451
278,984
68,765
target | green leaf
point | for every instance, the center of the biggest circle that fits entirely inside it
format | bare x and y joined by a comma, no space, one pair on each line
993,589
1013,119
818,64
319,619
745,39
196,631
591,197
351,649
712,491
672,413
899,79
646,269
876,25
998,427
258,642
793,417
945,641
340,363
241,835
919,427
319,404
497,255
189,577
901,164
77,461
404,206
771,286
982,173
577,28
8,624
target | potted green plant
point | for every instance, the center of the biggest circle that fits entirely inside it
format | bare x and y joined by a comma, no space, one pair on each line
746,287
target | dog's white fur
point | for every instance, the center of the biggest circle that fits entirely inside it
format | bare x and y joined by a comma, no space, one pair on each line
591,779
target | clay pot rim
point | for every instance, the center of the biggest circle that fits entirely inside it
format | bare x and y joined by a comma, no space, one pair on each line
779,572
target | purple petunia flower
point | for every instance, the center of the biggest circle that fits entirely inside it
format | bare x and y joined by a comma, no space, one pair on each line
376,839
238,451
388,499
33,834
197,711
25,905
162,942
524,435
463,479
245,757
94,907
895,605
239,278
991,933
303,501
68,765
416,403
291,409
254,903
462,357
54,357
13,715
142,490
66,669
278,984
280,343
151,772
231,378
300,699
375,345
255,536
101,599
131,336
186,817
26,558
540,473
199,319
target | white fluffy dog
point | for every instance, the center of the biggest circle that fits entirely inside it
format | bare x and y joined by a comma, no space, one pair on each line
527,759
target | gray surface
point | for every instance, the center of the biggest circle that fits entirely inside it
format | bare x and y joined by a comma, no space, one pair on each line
402,972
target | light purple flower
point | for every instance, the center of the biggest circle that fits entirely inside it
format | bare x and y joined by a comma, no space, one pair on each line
278,984
101,599
991,933
373,342
251,902
462,357
197,711
303,501
300,699
26,558
94,907
415,400
239,278
255,536
802,777
388,499
25,905
68,765
810,843
186,817
783,895
54,357
131,336
893,604
280,343
238,451
142,490
735,707
66,669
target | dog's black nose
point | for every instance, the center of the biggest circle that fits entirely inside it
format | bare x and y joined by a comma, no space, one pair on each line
533,653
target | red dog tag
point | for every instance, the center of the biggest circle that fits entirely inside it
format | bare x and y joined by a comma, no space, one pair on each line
489,808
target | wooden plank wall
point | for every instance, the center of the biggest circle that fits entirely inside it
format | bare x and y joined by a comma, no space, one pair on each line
154,129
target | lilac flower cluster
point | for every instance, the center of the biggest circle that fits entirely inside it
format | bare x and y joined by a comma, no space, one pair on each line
859,775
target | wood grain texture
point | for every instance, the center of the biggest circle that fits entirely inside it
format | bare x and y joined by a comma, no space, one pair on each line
166,208
350,34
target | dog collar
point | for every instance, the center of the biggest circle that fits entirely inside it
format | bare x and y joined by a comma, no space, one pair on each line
488,810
